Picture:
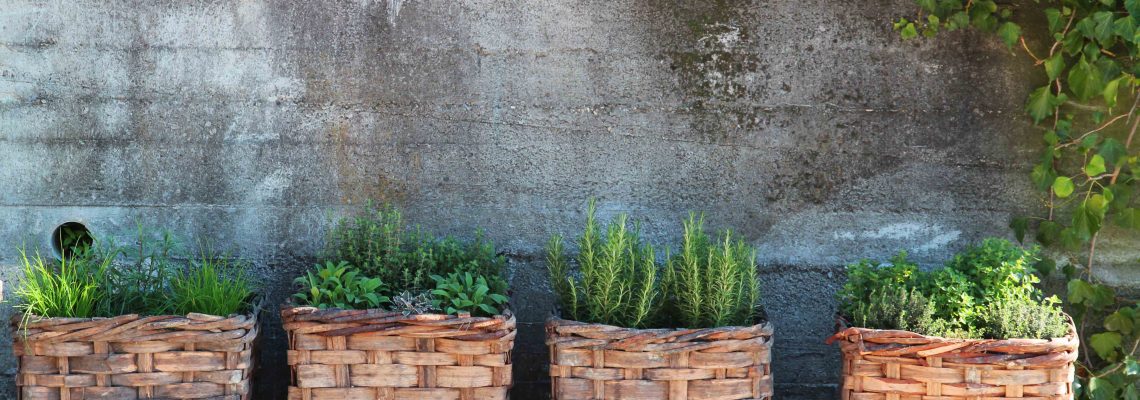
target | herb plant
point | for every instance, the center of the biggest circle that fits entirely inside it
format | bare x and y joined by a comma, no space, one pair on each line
213,284
982,292
711,284
339,286
380,244
72,289
617,283
101,279
466,293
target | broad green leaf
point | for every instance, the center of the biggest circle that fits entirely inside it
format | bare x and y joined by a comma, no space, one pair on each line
1063,186
1019,226
1080,292
1095,166
1042,176
960,20
1119,322
1110,91
1042,103
927,5
1054,65
1055,21
1009,33
1113,151
1048,233
1131,393
1105,344
1125,27
1046,266
1101,388
1103,30
1133,7
909,31
1085,80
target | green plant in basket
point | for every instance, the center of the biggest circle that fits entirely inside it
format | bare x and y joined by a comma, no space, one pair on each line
711,284
466,292
72,288
213,284
339,286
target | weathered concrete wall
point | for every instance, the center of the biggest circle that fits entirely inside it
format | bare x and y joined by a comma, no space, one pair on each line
805,124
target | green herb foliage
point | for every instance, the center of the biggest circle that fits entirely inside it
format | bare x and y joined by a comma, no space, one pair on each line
380,244
977,294
72,289
706,284
339,286
102,279
214,284
1089,167
617,283
466,293
712,284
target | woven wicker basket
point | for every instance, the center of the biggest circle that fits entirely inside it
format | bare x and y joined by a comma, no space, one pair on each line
131,357
376,354
893,365
593,361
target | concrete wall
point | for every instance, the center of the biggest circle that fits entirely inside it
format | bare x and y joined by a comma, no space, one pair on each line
804,124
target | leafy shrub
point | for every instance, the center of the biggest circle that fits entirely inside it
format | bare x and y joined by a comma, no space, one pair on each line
617,284
139,283
466,292
380,244
214,284
981,292
711,284
339,286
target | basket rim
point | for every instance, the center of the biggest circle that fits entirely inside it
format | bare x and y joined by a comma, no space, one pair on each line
906,344
290,310
553,323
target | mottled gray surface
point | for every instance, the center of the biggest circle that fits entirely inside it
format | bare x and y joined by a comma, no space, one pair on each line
805,124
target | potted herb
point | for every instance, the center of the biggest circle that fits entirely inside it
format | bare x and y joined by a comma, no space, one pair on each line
393,312
634,329
977,328
112,322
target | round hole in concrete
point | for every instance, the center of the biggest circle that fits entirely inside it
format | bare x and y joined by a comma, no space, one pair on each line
68,237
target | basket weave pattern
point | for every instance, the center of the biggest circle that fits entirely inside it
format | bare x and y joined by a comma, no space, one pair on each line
901,365
131,357
594,361
376,354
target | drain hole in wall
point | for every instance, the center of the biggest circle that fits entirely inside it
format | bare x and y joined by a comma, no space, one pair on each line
69,238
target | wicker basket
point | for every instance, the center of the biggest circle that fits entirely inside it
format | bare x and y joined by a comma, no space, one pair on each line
376,354
891,364
593,361
131,357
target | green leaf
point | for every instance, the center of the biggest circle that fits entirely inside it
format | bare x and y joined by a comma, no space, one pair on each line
1080,292
1055,21
1009,33
1054,65
1131,367
960,20
1106,345
1133,7
1042,176
1095,166
1042,103
1085,81
1110,91
1109,3
1125,27
1119,322
1113,151
1019,226
1048,233
1131,393
1101,388
1046,266
1063,186
927,5
1103,30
